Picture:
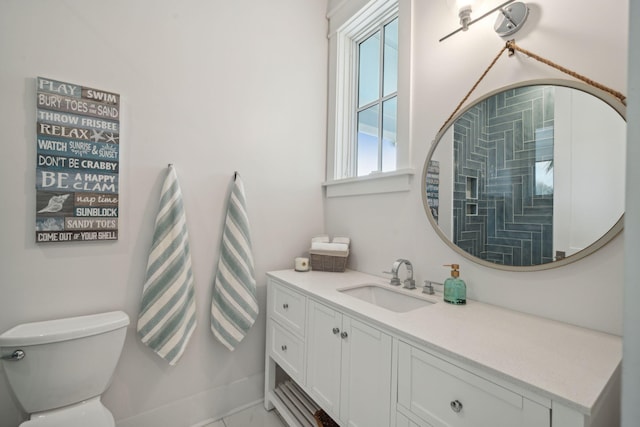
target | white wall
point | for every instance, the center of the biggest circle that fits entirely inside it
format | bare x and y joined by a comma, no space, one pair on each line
588,194
580,36
212,87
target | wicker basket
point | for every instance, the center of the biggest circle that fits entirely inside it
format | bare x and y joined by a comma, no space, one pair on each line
323,419
321,262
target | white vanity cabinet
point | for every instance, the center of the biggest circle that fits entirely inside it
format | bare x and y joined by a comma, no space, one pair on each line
348,367
436,366
442,394
342,363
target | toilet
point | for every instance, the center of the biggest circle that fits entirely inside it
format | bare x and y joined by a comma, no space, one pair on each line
58,369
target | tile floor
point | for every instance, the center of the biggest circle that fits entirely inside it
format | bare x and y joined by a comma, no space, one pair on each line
254,416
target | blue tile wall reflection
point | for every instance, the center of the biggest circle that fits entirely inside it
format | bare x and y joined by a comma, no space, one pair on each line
498,142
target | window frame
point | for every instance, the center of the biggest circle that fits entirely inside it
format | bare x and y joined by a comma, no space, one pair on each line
349,23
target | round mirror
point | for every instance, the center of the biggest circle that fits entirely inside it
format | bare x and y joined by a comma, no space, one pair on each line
529,177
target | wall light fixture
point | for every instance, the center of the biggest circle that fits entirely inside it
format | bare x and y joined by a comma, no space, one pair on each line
512,17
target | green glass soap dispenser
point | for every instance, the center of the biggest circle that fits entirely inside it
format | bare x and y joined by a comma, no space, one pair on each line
455,290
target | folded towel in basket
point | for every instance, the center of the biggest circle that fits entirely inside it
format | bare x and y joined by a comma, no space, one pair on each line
167,316
234,308
330,247
344,240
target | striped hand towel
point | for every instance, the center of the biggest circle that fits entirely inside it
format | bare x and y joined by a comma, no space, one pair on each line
168,310
234,307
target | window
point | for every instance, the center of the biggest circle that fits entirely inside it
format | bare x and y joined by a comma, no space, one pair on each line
544,178
377,105
369,89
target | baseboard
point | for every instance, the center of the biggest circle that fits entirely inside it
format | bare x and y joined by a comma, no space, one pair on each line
203,408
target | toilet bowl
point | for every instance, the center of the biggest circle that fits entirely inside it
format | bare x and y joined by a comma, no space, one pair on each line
84,414
58,369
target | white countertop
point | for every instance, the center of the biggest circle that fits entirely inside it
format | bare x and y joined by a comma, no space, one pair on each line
562,362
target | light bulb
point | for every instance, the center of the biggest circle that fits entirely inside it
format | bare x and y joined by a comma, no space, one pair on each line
464,3
463,9
465,16
457,4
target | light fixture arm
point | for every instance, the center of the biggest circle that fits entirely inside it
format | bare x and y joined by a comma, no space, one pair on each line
467,24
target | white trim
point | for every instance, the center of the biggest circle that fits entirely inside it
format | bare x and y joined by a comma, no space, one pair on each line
345,96
375,183
348,22
348,14
205,407
334,7
347,38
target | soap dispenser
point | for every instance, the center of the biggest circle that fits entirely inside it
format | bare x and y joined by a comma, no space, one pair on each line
455,290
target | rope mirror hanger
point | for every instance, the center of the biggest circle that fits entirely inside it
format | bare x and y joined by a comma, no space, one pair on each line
512,47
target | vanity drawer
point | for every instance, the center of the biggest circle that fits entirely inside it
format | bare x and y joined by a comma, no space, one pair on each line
443,394
286,350
288,308
403,421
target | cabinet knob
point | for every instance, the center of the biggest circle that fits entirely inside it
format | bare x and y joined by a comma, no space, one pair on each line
336,331
285,306
456,406
344,335
284,348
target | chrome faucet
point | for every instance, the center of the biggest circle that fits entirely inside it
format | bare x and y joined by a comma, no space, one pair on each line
409,283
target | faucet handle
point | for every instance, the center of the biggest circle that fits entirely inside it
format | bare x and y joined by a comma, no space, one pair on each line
428,288
394,279
410,284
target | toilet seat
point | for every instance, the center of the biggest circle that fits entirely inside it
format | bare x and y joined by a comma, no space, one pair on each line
88,413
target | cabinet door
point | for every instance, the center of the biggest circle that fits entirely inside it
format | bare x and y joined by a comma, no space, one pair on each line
366,375
323,356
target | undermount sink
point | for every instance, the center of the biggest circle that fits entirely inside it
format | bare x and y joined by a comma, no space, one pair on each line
387,297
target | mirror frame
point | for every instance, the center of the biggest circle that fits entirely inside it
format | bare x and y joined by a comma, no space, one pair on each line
612,101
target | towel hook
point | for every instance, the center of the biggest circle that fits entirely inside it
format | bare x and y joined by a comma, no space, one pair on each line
235,175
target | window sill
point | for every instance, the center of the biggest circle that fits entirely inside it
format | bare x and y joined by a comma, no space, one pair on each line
377,183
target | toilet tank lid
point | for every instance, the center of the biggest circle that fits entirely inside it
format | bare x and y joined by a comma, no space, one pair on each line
63,329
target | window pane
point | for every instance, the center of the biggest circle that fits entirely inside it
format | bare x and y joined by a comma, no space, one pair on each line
368,140
369,70
544,178
389,132
390,60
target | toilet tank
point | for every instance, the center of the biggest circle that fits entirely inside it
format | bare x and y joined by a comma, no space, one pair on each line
65,360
